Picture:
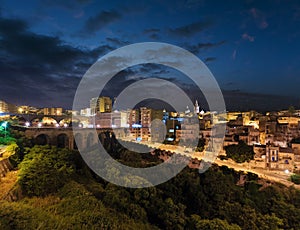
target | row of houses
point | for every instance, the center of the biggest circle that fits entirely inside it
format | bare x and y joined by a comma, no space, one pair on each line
273,137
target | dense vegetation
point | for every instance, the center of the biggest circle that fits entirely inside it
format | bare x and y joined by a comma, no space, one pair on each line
5,135
240,152
60,192
201,145
295,178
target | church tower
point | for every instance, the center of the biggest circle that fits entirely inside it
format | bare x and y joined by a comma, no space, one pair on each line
196,108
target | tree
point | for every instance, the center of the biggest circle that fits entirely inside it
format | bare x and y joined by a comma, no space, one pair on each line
240,152
291,110
295,178
201,145
44,170
215,224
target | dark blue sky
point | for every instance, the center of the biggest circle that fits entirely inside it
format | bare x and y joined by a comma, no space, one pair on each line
46,46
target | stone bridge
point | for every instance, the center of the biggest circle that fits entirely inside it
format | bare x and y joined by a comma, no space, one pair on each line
64,137
30,117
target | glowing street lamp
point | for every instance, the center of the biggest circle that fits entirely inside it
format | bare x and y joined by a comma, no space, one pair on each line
4,125
27,124
39,125
65,125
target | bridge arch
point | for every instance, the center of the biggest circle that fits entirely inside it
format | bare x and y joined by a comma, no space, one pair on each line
48,121
90,140
101,137
63,121
42,139
62,140
34,121
21,120
78,141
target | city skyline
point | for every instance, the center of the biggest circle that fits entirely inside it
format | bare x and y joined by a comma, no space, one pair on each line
250,47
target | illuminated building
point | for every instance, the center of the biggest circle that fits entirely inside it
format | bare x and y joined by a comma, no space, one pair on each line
103,120
101,104
147,116
53,111
7,107
3,107
86,112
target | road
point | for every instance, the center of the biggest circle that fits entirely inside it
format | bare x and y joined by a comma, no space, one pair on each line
276,176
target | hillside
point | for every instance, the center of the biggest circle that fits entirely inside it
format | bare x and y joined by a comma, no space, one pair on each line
60,192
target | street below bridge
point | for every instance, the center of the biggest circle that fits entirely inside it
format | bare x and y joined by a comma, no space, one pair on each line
271,175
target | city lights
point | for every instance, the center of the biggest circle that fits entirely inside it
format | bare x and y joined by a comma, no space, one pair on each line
4,125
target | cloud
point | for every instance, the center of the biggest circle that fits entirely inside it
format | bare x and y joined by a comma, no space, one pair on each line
102,19
151,30
196,49
209,59
154,36
133,74
191,29
181,31
247,37
117,42
152,33
259,18
40,68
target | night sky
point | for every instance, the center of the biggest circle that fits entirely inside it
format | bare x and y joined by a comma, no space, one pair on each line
251,47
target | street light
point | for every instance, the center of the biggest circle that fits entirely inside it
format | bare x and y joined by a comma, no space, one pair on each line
27,124
4,125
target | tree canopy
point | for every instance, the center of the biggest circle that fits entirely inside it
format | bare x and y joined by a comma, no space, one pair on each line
240,152
61,192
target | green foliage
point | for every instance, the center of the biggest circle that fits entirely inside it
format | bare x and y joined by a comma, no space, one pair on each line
214,224
21,216
6,140
295,178
291,110
10,150
75,209
80,200
5,136
240,152
21,148
201,145
44,170
172,214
